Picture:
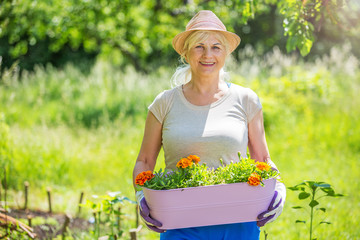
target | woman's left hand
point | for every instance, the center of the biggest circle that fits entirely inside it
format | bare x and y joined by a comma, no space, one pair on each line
276,206
151,223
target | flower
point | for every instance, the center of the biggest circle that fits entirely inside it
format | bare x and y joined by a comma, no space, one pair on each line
142,177
263,166
184,163
254,179
194,158
189,173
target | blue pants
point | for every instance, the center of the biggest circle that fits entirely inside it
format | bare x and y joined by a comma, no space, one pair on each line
236,231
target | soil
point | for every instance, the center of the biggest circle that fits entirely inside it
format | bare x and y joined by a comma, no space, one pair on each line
49,231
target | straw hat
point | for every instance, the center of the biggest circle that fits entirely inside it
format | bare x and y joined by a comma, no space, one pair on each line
205,20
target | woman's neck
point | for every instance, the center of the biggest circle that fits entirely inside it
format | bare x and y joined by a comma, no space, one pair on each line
204,91
205,85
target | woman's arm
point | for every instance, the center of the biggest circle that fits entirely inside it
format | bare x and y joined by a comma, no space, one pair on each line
150,146
146,161
260,152
257,142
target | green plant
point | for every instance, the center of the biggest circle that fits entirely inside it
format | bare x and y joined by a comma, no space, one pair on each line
10,232
107,206
311,190
190,174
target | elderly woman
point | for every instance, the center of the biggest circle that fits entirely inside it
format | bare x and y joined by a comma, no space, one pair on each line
207,116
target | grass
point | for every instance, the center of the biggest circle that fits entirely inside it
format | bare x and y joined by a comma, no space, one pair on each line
76,132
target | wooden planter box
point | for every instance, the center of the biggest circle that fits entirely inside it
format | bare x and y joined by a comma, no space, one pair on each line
209,205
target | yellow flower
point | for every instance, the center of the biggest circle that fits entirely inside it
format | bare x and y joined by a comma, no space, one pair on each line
254,179
184,163
194,158
142,177
263,166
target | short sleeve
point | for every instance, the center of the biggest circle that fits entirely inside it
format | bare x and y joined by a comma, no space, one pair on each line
253,105
161,105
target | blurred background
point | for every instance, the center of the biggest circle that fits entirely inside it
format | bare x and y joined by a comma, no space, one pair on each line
76,78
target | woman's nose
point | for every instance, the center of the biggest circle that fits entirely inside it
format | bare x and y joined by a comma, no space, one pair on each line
207,52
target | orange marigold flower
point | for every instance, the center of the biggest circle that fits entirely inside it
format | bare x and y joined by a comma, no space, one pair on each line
194,158
184,163
254,179
263,166
142,177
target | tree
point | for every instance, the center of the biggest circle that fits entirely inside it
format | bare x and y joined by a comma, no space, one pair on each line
303,18
139,32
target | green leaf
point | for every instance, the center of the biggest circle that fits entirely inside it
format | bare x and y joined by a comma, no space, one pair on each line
310,184
323,185
324,222
291,43
300,221
298,187
303,195
313,203
297,207
305,47
322,209
331,193
301,184
328,191
116,212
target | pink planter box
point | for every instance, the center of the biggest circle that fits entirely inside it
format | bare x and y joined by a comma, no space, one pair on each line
209,205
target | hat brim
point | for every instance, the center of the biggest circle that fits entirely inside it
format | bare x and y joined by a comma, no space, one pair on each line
179,40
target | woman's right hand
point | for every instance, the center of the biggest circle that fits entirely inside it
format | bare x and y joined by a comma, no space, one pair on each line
144,210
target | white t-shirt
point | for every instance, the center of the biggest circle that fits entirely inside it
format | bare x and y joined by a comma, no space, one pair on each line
212,132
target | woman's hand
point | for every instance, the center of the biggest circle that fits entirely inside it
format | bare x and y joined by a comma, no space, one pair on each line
151,223
276,206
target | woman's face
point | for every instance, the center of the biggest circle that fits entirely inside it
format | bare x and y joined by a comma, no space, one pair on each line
206,57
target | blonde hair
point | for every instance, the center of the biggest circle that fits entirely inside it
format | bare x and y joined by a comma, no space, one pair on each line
182,74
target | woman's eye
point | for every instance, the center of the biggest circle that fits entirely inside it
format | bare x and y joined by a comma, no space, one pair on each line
215,47
199,46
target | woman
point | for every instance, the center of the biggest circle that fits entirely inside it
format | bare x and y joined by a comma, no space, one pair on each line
209,117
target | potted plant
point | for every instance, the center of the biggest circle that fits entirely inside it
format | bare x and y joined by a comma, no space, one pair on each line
194,195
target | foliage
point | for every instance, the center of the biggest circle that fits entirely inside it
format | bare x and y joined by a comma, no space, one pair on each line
138,32
106,95
310,190
107,205
194,175
9,233
303,18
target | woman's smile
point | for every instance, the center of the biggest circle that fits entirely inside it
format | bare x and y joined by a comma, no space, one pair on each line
207,64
